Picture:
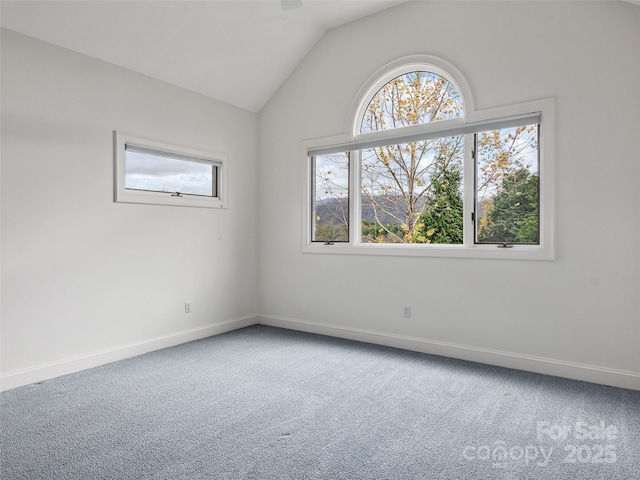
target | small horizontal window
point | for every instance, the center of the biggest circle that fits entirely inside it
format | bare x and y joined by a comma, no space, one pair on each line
155,173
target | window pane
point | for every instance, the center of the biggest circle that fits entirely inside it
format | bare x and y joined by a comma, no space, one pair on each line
414,98
162,173
412,192
330,207
507,186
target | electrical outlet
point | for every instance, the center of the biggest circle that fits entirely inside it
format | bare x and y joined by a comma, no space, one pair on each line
187,307
406,312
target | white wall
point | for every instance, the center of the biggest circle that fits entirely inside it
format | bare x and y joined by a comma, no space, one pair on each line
85,280
82,274
582,309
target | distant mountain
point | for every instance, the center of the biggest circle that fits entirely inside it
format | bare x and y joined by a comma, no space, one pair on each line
330,209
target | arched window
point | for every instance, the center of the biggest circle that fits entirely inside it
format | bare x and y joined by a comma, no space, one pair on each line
423,168
413,98
403,184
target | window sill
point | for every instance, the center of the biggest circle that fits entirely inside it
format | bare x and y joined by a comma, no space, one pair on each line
524,252
155,198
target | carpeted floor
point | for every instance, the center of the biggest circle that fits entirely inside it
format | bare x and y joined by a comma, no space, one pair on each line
266,403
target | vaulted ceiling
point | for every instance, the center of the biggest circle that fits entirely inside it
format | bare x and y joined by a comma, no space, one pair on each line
236,51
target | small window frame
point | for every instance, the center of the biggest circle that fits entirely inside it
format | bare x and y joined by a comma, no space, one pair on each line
313,205
476,206
124,195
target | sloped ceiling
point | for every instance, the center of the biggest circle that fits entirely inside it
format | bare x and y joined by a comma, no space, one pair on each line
236,51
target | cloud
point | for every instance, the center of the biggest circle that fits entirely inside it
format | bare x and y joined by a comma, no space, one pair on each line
162,174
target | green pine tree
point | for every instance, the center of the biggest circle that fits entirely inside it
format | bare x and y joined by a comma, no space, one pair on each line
441,221
511,216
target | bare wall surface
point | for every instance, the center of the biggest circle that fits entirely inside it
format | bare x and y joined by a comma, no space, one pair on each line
80,273
583,307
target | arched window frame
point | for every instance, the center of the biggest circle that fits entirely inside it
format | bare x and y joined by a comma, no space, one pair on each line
416,63
471,121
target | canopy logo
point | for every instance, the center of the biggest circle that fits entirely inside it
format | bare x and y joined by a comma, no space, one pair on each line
583,443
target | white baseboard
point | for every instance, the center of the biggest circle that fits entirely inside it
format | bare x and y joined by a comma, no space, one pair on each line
47,371
558,368
547,366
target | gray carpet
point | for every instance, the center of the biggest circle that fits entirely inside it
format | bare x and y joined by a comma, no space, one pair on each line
267,403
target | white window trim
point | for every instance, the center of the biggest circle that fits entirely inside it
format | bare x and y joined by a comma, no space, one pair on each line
411,63
545,107
124,195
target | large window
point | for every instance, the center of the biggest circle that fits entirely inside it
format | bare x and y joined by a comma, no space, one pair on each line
425,175
151,172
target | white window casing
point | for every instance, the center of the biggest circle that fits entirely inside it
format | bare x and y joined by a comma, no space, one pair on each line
541,112
125,143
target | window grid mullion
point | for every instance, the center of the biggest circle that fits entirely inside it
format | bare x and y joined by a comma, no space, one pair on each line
355,198
469,190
